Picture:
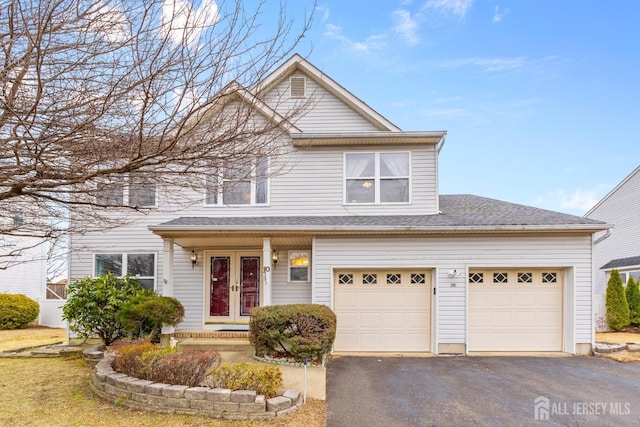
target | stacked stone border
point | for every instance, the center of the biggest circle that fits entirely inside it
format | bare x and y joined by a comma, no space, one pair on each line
135,393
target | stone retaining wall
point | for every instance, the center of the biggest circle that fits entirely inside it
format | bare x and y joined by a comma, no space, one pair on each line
146,395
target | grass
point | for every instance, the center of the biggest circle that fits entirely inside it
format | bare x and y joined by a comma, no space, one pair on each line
31,336
55,392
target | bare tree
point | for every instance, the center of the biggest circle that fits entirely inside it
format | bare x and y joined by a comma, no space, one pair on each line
100,94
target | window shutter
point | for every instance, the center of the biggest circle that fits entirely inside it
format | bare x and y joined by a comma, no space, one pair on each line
298,87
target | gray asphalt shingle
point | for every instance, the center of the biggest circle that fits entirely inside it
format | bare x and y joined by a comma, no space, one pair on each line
456,211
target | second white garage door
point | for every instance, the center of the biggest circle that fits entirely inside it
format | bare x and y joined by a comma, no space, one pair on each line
515,310
383,310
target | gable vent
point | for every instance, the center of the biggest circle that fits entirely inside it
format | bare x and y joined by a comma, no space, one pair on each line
297,87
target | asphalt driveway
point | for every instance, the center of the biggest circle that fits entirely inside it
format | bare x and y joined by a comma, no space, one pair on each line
460,391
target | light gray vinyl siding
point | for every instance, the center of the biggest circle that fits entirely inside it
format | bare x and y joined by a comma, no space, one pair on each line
321,110
460,253
310,180
622,209
285,292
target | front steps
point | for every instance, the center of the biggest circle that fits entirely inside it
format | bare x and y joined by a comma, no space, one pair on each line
228,341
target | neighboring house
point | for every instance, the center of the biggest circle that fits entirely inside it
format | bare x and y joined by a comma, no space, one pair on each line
356,223
26,274
619,247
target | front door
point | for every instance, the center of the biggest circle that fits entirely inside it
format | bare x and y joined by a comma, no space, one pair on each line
233,287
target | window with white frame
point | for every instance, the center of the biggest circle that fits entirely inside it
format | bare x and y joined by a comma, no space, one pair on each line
377,177
142,191
624,275
298,266
243,183
142,266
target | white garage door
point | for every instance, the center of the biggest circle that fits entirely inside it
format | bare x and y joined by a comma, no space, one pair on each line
515,310
383,310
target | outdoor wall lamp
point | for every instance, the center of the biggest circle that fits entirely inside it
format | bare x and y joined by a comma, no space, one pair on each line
274,258
194,258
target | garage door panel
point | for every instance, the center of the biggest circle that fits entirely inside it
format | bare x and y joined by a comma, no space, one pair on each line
515,316
394,316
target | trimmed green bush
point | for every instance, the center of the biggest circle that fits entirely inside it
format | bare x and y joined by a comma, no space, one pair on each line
633,299
93,304
264,379
147,313
17,310
293,331
616,301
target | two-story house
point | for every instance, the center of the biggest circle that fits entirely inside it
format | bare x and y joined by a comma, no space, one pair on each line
355,221
618,247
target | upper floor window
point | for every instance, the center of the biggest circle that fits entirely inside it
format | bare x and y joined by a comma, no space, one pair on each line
142,266
243,183
377,177
142,191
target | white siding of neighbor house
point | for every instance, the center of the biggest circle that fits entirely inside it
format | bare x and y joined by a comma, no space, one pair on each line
326,112
28,276
460,253
621,208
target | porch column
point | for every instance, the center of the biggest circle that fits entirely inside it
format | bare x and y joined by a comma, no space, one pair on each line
167,275
267,266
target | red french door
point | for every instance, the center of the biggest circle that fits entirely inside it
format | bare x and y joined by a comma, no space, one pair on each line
234,287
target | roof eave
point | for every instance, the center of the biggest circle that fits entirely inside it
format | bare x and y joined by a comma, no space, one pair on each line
366,138
377,230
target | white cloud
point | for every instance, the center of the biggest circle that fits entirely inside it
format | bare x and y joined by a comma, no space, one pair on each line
455,7
488,64
373,42
406,26
498,15
324,10
577,202
183,24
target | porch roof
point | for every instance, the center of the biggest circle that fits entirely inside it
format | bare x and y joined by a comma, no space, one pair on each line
459,214
633,261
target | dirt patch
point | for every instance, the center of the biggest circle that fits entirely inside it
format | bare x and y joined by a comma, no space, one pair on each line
31,336
55,392
623,356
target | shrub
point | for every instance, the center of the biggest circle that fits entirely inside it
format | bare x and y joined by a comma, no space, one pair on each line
296,330
17,310
148,361
134,359
187,367
616,301
633,299
147,313
264,379
93,304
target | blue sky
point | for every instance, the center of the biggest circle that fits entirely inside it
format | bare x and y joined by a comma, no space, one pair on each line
541,99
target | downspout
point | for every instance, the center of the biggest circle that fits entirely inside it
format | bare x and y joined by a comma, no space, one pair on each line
604,236
441,143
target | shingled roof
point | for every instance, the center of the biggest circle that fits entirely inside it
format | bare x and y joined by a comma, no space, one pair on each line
622,262
458,213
